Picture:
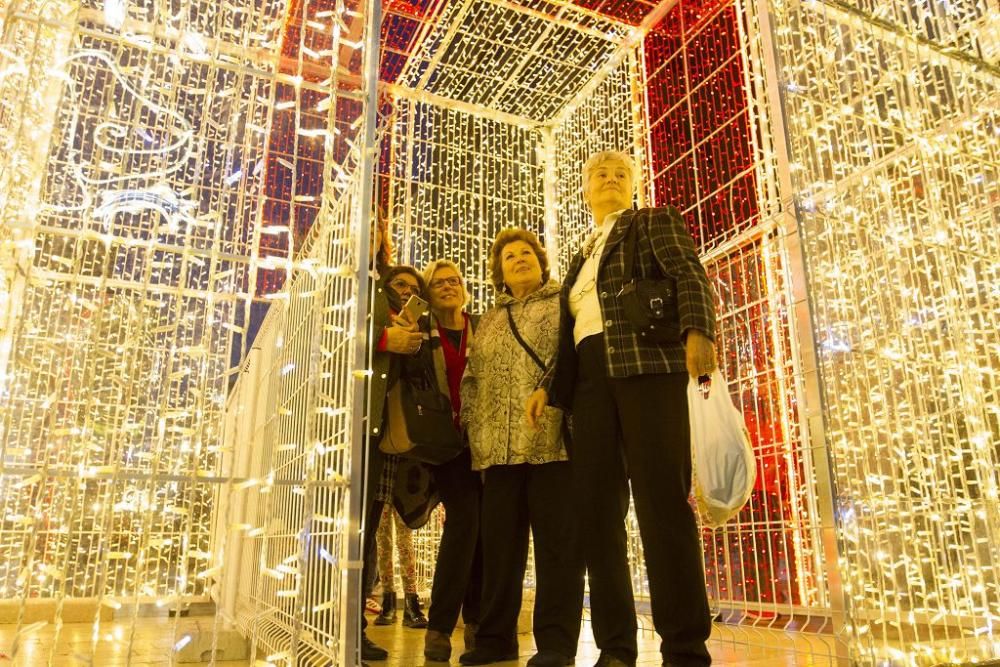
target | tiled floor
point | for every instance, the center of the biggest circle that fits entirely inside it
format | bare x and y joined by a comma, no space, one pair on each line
745,648
151,644
154,640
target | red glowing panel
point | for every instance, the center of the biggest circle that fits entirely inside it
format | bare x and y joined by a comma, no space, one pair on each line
670,138
694,13
293,163
702,159
718,100
754,559
732,207
711,47
675,186
700,141
666,87
722,157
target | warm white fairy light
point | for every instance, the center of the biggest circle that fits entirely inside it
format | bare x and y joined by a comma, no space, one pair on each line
128,259
894,152
114,383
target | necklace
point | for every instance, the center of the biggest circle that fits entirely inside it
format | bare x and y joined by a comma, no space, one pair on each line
592,244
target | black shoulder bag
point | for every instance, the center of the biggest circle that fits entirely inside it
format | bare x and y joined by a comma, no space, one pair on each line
420,419
650,304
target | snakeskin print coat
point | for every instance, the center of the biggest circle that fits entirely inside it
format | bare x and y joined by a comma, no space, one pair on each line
501,375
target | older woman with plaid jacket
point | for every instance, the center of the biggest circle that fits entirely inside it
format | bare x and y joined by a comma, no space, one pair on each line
526,476
628,397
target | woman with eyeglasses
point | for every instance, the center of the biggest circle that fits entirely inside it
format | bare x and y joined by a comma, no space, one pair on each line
395,338
458,572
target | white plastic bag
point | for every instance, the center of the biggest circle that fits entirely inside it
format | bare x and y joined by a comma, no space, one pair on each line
724,467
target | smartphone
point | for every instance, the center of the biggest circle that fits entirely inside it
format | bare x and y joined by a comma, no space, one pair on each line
415,308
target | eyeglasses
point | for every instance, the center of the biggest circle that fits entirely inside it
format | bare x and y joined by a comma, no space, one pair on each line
400,285
452,281
578,296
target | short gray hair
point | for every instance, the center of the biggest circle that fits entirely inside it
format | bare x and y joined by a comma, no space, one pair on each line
597,159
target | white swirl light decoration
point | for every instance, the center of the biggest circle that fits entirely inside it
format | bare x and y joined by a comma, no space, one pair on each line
159,198
106,133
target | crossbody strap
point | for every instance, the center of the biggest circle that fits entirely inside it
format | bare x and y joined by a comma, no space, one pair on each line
630,251
517,335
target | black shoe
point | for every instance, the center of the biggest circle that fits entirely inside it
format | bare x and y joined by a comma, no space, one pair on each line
413,616
372,651
607,660
388,614
686,662
546,658
487,656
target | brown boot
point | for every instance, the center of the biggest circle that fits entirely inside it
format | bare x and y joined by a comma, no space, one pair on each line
437,646
470,635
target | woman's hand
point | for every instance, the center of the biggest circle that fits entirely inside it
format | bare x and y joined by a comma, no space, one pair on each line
402,339
700,351
534,408
402,320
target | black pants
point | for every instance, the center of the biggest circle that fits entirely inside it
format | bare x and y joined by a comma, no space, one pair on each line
637,428
373,515
516,497
457,586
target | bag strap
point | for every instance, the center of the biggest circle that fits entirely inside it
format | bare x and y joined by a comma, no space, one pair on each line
630,251
517,335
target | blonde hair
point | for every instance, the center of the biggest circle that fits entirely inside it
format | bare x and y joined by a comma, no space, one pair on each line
439,264
507,237
597,159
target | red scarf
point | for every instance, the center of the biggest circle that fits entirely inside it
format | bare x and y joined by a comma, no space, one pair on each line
454,364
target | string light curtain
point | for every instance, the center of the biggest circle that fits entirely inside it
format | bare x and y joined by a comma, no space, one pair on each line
172,172
141,171
892,119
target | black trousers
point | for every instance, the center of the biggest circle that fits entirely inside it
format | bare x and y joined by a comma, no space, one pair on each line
516,498
458,573
637,429
373,516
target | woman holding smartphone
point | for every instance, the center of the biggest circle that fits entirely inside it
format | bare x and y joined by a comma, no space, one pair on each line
405,285
396,338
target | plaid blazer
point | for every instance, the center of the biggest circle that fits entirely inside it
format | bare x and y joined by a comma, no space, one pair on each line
663,248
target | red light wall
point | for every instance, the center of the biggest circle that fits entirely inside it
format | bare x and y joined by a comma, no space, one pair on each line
702,160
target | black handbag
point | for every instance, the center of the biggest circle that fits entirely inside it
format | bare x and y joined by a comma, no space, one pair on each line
650,304
421,425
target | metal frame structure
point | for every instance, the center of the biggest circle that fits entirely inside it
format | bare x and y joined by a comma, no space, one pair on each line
186,191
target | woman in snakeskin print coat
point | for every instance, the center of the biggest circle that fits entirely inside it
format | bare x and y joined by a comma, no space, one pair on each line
526,475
